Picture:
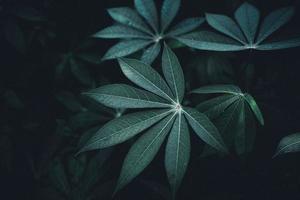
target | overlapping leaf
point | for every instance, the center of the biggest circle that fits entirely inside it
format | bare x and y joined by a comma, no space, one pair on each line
164,95
246,24
143,30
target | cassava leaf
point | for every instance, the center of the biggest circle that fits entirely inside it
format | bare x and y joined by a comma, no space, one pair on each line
289,144
147,9
279,44
247,17
125,96
129,17
225,25
120,31
151,53
273,22
168,12
143,151
205,129
125,48
186,26
177,153
255,108
206,40
212,89
173,73
123,128
146,77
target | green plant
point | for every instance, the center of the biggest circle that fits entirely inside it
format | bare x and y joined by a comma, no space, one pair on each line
289,144
137,35
242,33
170,117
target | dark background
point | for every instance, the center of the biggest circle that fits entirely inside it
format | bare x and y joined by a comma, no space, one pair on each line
31,51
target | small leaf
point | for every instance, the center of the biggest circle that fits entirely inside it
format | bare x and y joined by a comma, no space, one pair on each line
143,151
225,25
168,12
151,53
274,21
123,128
81,72
255,108
206,40
173,73
125,48
289,144
146,77
125,96
280,44
186,26
120,31
69,101
247,17
129,17
212,89
177,153
205,129
148,10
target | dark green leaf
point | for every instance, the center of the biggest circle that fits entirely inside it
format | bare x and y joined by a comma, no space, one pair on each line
151,53
226,25
289,144
255,108
247,17
173,73
147,9
177,153
212,89
186,26
120,31
81,72
274,21
125,96
168,12
205,129
86,119
123,128
206,40
129,17
125,48
143,151
280,44
146,77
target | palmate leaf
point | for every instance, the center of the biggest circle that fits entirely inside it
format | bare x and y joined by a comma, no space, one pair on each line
159,121
144,76
168,12
186,26
247,17
123,128
125,96
177,153
289,144
151,53
213,89
143,151
173,73
255,108
122,32
147,9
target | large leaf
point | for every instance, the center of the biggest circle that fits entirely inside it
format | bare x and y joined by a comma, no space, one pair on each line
205,129
123,128
143,151
151,53
120,31
247,17
168,12
125,96
255,108
125,48
129,17
177,152
206,40
274,21
289,144
226,25
186,26
146,77
279,44
147,9
226,89
173,73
